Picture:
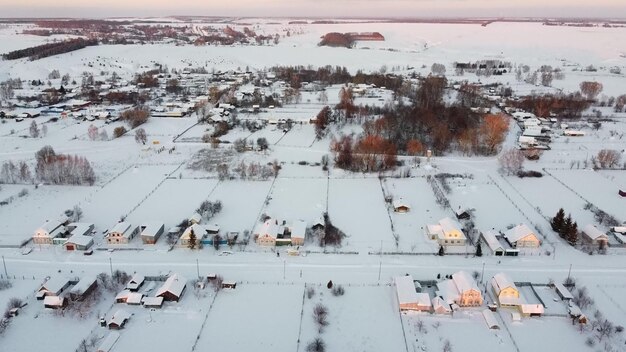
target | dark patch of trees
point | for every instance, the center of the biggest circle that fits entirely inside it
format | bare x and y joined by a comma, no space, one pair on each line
45,50
135,117
564,106
63,169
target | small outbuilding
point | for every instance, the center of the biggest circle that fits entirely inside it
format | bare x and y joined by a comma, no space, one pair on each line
118,320
135,282
592,235
83,288
491,320
54,302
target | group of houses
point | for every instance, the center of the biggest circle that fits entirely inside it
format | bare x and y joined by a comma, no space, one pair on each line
459,291
73,236
509,242
139,291
57,290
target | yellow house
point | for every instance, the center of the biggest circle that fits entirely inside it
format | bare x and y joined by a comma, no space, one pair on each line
505,290
521,236
461,290
447,233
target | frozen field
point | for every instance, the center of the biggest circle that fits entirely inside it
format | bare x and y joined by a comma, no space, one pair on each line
357,207
241,202
297,199
267,318
352,326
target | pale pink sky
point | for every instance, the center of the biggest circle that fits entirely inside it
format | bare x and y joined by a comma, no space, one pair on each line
322,8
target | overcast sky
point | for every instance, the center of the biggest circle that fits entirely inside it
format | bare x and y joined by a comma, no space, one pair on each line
320,8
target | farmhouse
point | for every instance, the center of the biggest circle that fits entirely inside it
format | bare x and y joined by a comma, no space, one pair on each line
595,237
447,233
173,288
150,233
198,230
297,232
119,319
461,290
135,282
407,295
400,206
121,233
521,236
152,302
78,242
54,302
53,287
504,290
83,288
47,232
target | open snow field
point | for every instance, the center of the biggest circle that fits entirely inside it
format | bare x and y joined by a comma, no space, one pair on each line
539,334
242,203
297,199
357,323
357,207
254,317
598,190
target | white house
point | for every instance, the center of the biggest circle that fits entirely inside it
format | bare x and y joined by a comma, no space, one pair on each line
151,232
505,290
47,232
461,290
121,233
198,230
594,236
53,287
447,233
406,293
401,206
521,236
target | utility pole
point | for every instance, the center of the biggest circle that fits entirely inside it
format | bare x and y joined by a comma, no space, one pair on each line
569,273
198,268
111,266
380,262
284,268
5,267
482,274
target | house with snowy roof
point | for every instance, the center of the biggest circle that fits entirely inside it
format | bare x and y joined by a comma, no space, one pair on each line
504,290
48,231
297,232
118,320
267,233
592,235
151,232
447,233
407,295
121,233
173,288
83,288
198,230
135,282
461,290
440,306
401,206
53,287
521,236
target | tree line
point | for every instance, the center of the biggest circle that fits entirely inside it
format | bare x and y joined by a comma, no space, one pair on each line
50,49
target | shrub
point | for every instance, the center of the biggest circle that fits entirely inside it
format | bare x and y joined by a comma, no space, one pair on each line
530,173
119,131
338,290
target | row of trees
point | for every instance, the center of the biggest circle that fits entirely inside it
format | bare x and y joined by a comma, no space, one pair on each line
12,173
45,50
366,153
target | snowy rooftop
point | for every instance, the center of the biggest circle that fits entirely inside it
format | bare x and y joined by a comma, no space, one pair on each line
121,228
405,289
83,284
55,284
151,229
80,240
174,284
518,232
298,229
593,233
464,281
501,281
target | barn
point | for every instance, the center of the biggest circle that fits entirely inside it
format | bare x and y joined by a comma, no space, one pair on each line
173,288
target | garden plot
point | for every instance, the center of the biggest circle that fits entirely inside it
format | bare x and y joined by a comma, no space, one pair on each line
301,135
19,219
549,196
20,288
195,133
417,193
297,199
492,210
163,128
242,202
173,201
595,188
553,304
545,334
609,300
357,207
253,318
466,328
363,319
174,327
119,197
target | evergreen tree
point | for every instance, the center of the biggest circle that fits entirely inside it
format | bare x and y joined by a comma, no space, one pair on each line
441,251
572,235
558,220
479,249
192,239
566,228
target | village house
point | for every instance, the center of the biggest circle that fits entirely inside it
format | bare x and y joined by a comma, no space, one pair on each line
400,206
447,233
440,306
198,230
80,236
267,233
498,246
173,288
118,320
47,232
150,233
83,288
504,290
122,297
461,290
54,302
135,282
593,236
408,298
297,232
53,287
122,233
521,236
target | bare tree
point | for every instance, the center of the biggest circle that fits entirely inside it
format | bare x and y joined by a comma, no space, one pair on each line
320,314
33,129
317,345
608,158
141,136
511,161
